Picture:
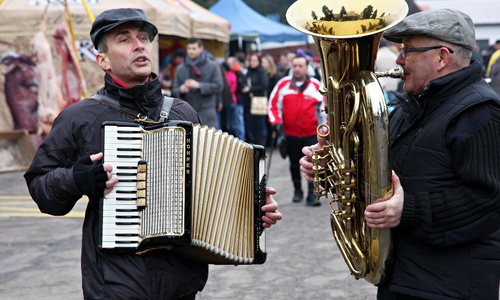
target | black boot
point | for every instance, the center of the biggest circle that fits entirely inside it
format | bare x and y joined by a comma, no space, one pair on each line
311,198
297,196
312,201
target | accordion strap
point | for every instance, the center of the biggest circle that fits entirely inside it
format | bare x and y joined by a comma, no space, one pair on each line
166,107
114,104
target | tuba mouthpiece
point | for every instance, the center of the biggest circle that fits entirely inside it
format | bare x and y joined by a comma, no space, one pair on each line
393,73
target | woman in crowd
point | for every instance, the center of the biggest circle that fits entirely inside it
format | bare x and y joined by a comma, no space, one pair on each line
269,65
258,81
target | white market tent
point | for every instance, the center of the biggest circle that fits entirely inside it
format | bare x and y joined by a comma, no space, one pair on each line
176,20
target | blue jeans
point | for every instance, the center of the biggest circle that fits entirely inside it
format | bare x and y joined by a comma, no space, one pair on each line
234,120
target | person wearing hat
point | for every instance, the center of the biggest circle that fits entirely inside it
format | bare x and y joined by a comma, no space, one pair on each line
445,141
67,164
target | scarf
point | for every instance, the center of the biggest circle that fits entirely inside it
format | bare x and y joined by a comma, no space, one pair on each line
193,63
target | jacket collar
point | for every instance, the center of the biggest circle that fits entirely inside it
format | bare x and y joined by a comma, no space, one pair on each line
440,88
293,84
146,98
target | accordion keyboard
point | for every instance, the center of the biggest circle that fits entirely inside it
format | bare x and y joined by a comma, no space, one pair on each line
189,188
120,215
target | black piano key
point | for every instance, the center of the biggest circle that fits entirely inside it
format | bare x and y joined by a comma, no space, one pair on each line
126,167
128,149
125,242
126,217
126,174
128,156
126,234
126,191
126,223
128,131
127,180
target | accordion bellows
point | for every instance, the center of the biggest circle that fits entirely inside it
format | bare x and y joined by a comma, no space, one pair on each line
189,188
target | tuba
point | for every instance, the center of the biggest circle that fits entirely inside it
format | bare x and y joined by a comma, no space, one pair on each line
353,168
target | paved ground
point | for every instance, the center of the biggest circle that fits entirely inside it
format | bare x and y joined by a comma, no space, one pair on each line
40,254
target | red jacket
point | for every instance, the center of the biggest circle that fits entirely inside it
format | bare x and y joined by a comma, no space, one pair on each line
300,110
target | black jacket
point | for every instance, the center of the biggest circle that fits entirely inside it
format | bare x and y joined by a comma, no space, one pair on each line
259,80
445,149
77,133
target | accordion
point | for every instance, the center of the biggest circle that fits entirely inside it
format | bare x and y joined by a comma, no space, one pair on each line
185,187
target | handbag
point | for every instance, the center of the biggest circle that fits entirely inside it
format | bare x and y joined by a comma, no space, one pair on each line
282,146
258,105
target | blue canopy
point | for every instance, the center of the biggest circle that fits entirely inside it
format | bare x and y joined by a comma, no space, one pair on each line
249,25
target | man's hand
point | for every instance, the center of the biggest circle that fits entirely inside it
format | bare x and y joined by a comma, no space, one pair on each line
271,208
192,84
306,163
386,211
184,89
92,179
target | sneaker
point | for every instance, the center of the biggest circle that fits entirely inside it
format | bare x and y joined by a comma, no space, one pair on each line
297,196
312,201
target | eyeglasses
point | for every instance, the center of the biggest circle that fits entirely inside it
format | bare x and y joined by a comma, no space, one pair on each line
404,51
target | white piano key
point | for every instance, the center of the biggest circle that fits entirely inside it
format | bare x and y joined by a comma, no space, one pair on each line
130,228
130,151
122,204
122,130
118,233
113,142
121,213
115,128
120,238
112,244
122,161
121,221
126,182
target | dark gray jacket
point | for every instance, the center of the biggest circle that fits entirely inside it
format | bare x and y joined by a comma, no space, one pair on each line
205,99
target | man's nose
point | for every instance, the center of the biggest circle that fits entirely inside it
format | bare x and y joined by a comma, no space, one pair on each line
400,60
138,44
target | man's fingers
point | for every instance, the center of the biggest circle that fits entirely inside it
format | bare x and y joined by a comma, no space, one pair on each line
96,157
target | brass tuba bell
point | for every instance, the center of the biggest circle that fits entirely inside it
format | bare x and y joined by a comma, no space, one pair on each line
354,167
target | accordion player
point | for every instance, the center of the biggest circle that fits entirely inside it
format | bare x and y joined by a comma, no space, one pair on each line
185,187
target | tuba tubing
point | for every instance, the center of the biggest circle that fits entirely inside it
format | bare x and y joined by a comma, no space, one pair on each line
397,72
353,168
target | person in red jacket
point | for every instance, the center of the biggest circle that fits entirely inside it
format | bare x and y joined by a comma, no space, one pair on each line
297,107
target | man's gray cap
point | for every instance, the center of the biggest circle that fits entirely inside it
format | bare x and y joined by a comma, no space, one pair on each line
444,24
109,19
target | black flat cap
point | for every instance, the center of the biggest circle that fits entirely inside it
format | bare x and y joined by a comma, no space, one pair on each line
109,19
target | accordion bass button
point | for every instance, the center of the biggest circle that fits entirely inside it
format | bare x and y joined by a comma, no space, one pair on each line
142,168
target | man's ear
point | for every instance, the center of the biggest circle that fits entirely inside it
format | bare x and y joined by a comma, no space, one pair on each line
444,58
102,61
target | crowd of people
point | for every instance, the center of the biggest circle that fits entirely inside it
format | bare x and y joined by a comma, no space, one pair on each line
243,76
223,96
257,75
491,62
